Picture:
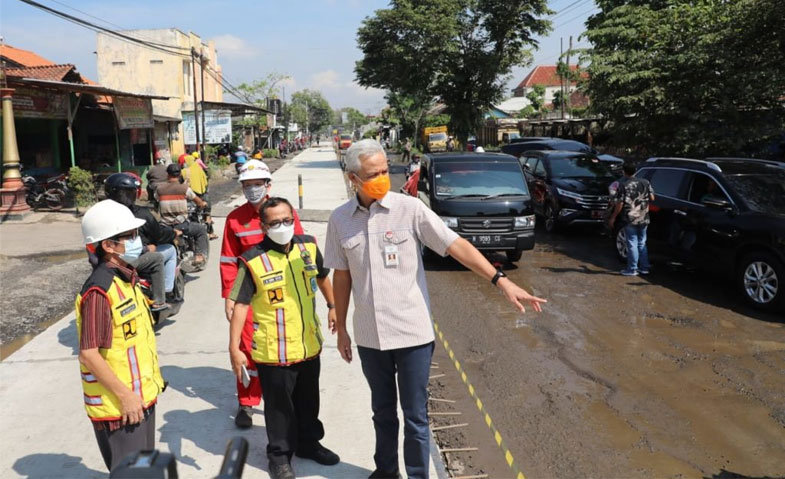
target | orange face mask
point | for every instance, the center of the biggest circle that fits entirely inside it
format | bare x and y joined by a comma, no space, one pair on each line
377,187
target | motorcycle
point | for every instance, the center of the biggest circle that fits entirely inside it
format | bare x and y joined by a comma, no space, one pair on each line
50,193
174,299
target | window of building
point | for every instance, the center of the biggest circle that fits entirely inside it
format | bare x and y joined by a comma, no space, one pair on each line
187,78
117,64
157,62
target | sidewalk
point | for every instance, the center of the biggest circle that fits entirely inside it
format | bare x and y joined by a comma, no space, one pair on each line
47,434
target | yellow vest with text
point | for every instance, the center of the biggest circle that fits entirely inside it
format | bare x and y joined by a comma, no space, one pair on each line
286,327
132,357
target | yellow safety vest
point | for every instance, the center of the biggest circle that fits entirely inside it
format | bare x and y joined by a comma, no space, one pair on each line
132,357
286,327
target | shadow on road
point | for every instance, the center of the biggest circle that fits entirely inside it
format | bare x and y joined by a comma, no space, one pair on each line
67,337
47,466
319,164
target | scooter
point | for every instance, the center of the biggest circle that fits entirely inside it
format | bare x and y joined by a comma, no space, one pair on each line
174,299
50,193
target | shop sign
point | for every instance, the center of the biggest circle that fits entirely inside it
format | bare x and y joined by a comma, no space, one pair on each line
217,127
46,104
133,112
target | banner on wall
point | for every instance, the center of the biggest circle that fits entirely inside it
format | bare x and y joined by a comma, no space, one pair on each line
133,112
217,127
45,104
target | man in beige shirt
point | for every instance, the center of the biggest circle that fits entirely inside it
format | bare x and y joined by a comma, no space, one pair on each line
373,244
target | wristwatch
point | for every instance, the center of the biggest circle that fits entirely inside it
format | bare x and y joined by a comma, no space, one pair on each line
330,306
499,274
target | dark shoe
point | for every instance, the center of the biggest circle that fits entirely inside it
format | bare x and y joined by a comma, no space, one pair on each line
322,455
629,272
243,419
159,307
281,471
377,474
644,272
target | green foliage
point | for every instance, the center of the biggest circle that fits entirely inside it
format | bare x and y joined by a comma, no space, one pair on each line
222,161
407,110
537,98
689,78
270,153
527,112
309,106
371,133
258,91
80,182
460,51
354,117
435,120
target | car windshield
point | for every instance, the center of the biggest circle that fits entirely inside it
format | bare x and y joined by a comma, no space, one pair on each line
437,137
763,193
479,178
580,167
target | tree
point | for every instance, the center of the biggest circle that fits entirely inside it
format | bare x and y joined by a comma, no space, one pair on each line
258,92
309,107
353,117
692,78
460,51
537,98
408,109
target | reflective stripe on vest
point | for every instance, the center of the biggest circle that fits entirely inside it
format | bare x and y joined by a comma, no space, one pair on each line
132,356
241,234
286,328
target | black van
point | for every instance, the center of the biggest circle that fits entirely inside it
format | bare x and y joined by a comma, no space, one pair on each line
481,196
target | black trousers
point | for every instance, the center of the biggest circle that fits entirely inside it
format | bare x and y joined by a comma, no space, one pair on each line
118,444
291,408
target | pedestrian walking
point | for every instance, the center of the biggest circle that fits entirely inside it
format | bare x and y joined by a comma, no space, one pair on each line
373,245
121,379
243,230
277,281
407,151
632,202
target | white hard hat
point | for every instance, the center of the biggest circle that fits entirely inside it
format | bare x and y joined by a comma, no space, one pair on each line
107,219
254,170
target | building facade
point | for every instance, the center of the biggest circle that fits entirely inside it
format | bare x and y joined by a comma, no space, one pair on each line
164,68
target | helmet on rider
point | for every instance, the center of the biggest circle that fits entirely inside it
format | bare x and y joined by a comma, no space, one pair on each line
254,170
195,154
122,188
107,219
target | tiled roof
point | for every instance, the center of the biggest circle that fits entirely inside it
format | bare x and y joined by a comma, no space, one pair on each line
46,72
544,75
23,57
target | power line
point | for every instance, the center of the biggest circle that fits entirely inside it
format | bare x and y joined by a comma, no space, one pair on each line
571,6
576,17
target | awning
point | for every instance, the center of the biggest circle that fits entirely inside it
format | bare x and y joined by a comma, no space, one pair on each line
166,119
235,108
81,88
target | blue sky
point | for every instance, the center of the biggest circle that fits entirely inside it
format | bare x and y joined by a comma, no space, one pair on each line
312,41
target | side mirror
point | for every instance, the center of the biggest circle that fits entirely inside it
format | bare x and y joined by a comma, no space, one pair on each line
527,167
717,203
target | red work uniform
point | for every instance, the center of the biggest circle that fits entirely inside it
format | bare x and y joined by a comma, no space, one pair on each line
243,230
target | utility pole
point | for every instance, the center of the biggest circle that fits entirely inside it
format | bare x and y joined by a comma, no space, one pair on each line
196,116
561,77
202,61
307,119
569,79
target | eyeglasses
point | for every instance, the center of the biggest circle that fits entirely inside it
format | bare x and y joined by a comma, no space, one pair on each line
277,223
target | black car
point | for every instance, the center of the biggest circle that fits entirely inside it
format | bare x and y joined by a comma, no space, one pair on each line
519,147
481,196
725,216
567,188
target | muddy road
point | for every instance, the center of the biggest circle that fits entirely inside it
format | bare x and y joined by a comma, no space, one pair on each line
660,376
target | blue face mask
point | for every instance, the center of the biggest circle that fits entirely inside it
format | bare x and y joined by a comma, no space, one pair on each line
133,249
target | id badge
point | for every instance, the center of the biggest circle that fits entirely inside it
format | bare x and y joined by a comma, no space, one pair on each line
391,256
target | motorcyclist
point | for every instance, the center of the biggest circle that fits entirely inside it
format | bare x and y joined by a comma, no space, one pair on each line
173,197
156,175
159,255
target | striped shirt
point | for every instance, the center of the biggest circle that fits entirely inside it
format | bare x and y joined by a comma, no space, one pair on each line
173,199
391,305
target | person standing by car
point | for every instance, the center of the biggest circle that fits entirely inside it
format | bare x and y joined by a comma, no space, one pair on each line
373,245
121,378
632,202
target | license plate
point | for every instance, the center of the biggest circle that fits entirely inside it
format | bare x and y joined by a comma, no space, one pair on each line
597,214
487,239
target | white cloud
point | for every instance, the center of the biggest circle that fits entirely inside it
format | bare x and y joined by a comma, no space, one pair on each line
327,79
233,47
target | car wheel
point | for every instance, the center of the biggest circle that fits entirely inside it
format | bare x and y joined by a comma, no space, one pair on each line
620,240
513,256
551,224
761,279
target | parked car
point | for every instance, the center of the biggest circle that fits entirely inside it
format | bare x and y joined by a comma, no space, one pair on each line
481,196
725,216
518,148
567,188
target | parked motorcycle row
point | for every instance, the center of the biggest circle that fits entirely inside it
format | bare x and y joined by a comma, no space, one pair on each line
50,193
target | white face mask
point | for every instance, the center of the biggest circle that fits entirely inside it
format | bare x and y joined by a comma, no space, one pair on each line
281,234
254,193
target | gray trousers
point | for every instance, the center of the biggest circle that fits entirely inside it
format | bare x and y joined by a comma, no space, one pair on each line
118,444
150,266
